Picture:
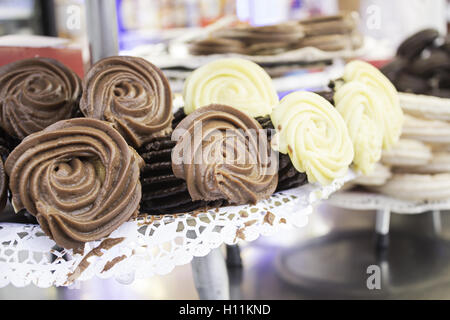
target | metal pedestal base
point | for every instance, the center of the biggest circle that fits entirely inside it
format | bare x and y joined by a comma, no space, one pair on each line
382,224
414,267
211,276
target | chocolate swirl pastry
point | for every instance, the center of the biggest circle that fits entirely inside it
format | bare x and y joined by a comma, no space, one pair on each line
78,177
35,93
222,153
162,192
131,93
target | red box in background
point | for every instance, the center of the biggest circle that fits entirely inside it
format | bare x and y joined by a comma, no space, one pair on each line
72,58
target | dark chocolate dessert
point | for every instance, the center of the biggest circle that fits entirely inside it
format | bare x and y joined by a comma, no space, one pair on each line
78,177
422,65
132,94
35,93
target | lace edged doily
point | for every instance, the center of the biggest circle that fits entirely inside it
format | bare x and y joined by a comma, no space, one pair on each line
152,244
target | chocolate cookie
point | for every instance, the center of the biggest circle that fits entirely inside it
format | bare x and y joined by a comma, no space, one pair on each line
223,153
132,94
339,24
442,79
439,92
394,68
406,82
446,44
7,144
271,48
333,42
216,46
162,192
428,64
281,33
78,177
413,45
177,117
35,93
288,176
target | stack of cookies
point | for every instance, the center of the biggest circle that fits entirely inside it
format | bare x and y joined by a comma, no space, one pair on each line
327,33
417,168
332,33
422,64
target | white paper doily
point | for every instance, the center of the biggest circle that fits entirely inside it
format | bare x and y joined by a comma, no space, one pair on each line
150,245
363,200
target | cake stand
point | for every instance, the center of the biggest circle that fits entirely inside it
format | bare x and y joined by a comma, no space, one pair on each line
153,245
384,205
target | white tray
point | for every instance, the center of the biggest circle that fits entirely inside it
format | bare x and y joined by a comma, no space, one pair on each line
151,245
363,200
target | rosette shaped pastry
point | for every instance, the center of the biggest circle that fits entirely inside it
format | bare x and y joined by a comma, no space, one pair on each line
78,177
132,94
387,94
314,135
362,111
222,153
35,93
239,83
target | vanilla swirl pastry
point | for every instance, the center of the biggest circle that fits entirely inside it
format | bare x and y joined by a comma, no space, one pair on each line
35,93
131,93
314,135
362,111
387,94
78,177
222,153
239,83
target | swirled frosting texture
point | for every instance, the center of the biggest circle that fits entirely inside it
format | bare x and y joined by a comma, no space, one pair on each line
363,113
35,93
131,93
387,94
222,153
235,82
314,135
78,177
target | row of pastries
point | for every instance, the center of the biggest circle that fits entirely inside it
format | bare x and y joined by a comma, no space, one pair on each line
84,156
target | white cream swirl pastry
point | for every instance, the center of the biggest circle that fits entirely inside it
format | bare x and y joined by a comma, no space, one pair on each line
314,135
362,111
239,83
387,94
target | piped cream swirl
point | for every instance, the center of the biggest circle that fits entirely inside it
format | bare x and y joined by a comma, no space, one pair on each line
35,93
131,93
222,153
314,135
239,83
363,113
78,177
386,93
